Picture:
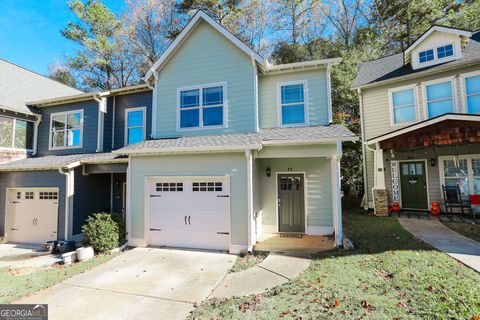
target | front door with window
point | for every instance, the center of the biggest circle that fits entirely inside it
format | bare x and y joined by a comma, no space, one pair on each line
291,203
414,185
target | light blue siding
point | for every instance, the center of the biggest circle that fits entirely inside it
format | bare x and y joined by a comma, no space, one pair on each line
232,164
316,96
207,57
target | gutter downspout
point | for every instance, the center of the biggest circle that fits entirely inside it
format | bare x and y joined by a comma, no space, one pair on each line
255,90
102,109
113,121
69,192
153,132
364,162
35,134
249,156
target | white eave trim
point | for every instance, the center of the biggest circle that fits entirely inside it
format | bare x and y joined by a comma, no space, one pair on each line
424,124
309,141
185,32
302,65
188,149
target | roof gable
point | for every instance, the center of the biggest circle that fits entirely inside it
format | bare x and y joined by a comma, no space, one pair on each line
189,28
448,32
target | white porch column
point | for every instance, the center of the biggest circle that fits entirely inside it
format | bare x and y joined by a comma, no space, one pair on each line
251,235
379,174
337,196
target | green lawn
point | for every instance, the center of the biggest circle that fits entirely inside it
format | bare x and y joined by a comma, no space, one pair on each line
389,275
248,261
469,230
14,286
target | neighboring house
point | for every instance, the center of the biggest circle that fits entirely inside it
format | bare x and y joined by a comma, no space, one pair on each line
420,119
18,121
232,149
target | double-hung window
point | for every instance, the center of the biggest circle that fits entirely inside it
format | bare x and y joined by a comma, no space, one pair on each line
66,129
403,104
202,107
464,172
472,88
425,56
292,104
16,133
135,125
439,99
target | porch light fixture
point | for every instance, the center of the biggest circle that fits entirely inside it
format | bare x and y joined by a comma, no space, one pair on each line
433,162
269,172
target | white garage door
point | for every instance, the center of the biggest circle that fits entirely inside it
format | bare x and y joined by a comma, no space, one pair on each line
32,215
189,212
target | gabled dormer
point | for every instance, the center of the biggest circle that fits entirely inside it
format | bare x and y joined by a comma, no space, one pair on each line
437,45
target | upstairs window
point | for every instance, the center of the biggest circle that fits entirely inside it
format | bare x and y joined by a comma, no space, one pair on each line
439,99
403,104
16,133
135,125
66,129
445,51
472,88
292,104
425,56
202,107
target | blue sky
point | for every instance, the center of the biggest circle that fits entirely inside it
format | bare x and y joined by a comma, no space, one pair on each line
30,31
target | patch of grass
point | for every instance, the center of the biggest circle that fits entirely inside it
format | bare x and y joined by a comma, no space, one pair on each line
469,230
248,260
14,286
389,275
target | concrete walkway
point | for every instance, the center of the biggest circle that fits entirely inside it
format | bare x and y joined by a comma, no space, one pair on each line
275,270
443,238
17,255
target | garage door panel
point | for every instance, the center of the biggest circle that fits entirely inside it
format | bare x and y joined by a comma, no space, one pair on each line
190,212
32,215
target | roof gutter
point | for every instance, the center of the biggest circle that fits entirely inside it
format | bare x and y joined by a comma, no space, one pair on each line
188,149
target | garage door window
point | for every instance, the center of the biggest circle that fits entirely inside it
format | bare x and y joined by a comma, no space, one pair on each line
27,195
207,186
45,195
169,186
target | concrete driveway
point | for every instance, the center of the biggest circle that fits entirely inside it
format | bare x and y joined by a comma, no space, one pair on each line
143,283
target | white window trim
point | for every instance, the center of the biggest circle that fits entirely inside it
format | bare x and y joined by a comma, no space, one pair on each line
463,88
50,147
436,59
391,91
305,103
13,142
200,108
469,176
127,110
437,81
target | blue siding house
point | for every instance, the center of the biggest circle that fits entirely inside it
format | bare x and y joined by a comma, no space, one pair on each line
217,150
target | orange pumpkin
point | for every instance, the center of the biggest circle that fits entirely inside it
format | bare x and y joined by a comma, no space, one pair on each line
435,209
395,207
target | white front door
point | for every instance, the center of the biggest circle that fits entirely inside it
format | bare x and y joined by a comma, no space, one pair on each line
189,212
32,215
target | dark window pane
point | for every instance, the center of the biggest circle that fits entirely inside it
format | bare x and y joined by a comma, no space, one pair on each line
189,118
213,116
212,96
6,132
189,98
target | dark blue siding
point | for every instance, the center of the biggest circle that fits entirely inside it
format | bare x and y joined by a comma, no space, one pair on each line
122,102
90,128
107,126
92,195
34,179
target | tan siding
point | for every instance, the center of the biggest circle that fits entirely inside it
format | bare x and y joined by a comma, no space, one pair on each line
376,106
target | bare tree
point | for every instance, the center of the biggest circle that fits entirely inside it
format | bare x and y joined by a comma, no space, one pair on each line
150,26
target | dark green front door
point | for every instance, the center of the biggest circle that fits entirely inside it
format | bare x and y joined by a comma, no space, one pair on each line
291,203
413,184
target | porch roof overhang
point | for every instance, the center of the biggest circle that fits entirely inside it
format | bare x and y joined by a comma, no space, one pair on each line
433,132
62,162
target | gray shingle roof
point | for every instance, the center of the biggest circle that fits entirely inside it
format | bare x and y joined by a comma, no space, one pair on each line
19,85
58,161
239,141
392,66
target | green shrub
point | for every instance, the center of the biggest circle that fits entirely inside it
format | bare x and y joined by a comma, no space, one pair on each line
101,232
122,229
